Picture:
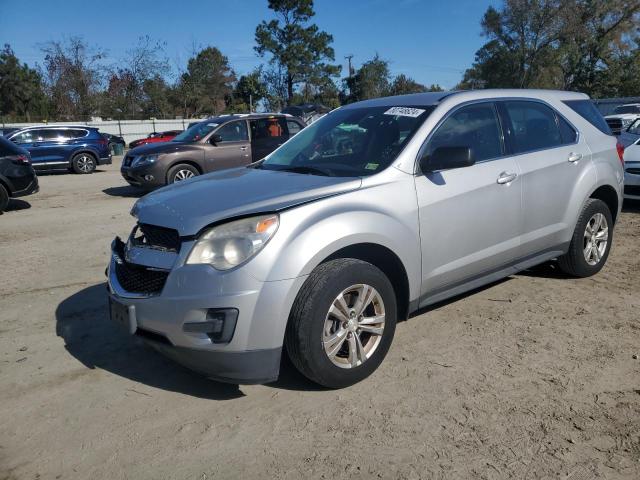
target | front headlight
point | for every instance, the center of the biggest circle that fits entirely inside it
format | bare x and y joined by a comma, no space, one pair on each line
230,244
143,160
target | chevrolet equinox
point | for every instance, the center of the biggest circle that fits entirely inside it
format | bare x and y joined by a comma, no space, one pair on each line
378,209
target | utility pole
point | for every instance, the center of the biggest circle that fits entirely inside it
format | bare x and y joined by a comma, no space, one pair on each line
349,57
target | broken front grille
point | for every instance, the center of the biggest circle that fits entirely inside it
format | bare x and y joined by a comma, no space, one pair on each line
160,238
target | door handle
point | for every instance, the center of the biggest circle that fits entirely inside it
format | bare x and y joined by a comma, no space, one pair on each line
505,178
574,157
243,148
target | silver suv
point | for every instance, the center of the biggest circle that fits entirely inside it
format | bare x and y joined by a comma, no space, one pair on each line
376,210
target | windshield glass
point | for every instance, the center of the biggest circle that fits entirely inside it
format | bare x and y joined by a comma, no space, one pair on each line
628,109
196,132
350,142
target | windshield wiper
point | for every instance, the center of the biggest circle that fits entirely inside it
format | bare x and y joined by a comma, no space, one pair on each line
305,170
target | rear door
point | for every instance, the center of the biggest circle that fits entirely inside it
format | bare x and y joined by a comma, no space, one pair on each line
267,134
469,217
551,158
233,151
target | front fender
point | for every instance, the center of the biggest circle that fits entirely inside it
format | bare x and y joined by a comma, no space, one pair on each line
310,233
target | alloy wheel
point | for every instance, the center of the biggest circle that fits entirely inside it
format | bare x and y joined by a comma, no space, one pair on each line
182,175
85,163
596,238
354,326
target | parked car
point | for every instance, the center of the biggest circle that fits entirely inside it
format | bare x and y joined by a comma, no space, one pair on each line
215,144
4,132
623,116
378,209
155,137
630,139
78,148
114,140
17,177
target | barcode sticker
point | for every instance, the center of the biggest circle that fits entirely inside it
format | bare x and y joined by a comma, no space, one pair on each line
405,112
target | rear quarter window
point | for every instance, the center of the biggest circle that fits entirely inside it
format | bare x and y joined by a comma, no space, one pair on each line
587,110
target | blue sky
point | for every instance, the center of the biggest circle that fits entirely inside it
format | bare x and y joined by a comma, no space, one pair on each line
431,41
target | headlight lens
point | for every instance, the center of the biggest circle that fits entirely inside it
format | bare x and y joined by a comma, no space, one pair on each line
228,245
143,160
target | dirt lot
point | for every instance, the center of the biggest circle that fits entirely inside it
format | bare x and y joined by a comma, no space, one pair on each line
534,377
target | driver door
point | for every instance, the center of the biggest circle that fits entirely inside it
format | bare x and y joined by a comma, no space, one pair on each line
234,149
470,218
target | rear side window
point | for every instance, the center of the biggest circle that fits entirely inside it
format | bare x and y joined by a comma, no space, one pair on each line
475,126
273,128
587,110
73,133
294,127
567,132
533,126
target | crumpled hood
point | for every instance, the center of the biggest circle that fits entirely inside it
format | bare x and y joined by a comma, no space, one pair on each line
191,205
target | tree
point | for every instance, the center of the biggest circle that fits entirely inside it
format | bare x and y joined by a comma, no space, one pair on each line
21,91
567,44
207,84
301,52
402,85
249,90
371,80
73,76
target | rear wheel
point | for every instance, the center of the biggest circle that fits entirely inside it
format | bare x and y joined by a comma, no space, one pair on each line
591,241
4,198
342,323
181,172
83,163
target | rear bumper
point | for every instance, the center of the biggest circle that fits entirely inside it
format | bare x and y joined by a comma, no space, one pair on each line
32,188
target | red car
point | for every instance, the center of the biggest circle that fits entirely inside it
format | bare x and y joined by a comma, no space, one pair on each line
155,137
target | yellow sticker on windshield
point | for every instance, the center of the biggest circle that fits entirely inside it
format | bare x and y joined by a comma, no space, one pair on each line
371,166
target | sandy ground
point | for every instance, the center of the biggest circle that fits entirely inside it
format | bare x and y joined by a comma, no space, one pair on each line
533,377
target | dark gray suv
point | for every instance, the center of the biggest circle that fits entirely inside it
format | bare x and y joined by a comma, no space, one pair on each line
215,144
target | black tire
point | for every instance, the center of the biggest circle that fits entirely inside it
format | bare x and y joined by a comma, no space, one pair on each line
181,167
574,262
304,336
84,163
4,198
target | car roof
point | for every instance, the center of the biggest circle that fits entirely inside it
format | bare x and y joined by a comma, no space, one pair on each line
434,98
56,126
247,116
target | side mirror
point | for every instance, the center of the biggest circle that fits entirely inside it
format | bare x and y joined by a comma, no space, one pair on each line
215,139
446,158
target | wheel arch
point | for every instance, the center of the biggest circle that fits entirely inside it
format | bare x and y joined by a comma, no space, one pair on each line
388,262
75,153
608,195
190,162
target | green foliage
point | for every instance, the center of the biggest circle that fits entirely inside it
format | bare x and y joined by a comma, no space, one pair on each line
21,90
584,45
207,84
249,90
301,52
373,79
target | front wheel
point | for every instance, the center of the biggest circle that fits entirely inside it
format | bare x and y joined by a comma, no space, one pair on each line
591,241
181,172
342,323
83,163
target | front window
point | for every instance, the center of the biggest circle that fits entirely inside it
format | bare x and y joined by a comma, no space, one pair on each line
350,142
196,132
627,109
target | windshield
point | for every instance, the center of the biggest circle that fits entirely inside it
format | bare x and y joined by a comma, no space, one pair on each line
349,142
196,132
628,109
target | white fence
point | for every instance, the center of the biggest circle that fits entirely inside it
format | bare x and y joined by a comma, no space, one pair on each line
128,129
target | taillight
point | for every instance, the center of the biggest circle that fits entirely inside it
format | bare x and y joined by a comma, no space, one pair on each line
620,150
21,160
103,141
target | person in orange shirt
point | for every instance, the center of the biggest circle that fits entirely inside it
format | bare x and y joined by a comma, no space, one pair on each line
274,128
